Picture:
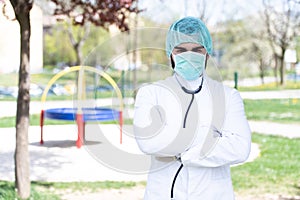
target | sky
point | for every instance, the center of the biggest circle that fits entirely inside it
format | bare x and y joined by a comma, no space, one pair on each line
166,11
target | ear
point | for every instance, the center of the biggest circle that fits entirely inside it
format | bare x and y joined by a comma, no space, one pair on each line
207,57
172,61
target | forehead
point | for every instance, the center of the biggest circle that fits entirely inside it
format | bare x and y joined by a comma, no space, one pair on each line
188,45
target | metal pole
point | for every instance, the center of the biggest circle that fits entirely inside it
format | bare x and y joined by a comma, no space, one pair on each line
235,80
134,56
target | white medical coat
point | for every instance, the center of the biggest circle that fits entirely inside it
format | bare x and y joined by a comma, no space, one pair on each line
203,176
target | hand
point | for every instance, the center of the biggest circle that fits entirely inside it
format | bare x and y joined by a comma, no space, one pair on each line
216,132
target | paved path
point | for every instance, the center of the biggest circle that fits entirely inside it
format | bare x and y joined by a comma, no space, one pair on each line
271,128
59,159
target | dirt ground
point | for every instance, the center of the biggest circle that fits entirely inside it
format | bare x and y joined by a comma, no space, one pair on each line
136,193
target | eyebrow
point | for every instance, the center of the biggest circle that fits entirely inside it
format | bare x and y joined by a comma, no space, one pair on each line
193,49
180,48
197,48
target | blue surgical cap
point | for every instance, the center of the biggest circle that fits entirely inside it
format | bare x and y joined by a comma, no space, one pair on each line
188,29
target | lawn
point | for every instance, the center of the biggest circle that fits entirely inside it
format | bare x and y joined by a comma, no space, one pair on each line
51,191
275,110
275,171
272,86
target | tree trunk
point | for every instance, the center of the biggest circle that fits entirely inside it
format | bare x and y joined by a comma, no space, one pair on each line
22,172
276,69
262,71
78,52
282,71
134,55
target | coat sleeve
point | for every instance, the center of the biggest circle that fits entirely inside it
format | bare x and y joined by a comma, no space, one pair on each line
234,143
153,128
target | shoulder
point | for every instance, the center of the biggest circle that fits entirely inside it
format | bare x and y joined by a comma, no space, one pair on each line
220,91
150,90
157,86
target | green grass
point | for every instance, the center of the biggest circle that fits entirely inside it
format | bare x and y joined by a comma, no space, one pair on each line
69,97
91,186
45,190
275,110
272,86
276,171
11,79
7,192
34,121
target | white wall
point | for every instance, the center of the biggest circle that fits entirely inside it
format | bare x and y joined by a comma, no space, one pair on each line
10,41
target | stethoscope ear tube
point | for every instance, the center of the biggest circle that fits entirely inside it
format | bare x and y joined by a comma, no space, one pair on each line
187,111
191,91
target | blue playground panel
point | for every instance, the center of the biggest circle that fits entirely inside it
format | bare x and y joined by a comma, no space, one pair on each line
89,114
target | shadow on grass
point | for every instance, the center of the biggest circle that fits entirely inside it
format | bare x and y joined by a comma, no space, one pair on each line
297,187
62,143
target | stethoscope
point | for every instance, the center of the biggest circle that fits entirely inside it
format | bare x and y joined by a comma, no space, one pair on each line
192,92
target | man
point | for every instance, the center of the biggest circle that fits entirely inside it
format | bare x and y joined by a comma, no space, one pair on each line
193,127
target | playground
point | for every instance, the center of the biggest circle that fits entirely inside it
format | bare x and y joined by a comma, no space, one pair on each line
59,158
80,112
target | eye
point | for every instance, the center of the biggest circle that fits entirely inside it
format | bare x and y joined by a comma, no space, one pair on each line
178,51
198,50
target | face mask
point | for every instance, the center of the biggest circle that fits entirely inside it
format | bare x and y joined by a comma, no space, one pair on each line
189,65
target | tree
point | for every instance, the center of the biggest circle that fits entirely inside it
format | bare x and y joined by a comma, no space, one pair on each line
77,36
260,55
202,9
56,50
258,49
232,48
101,13
282,25
22,9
